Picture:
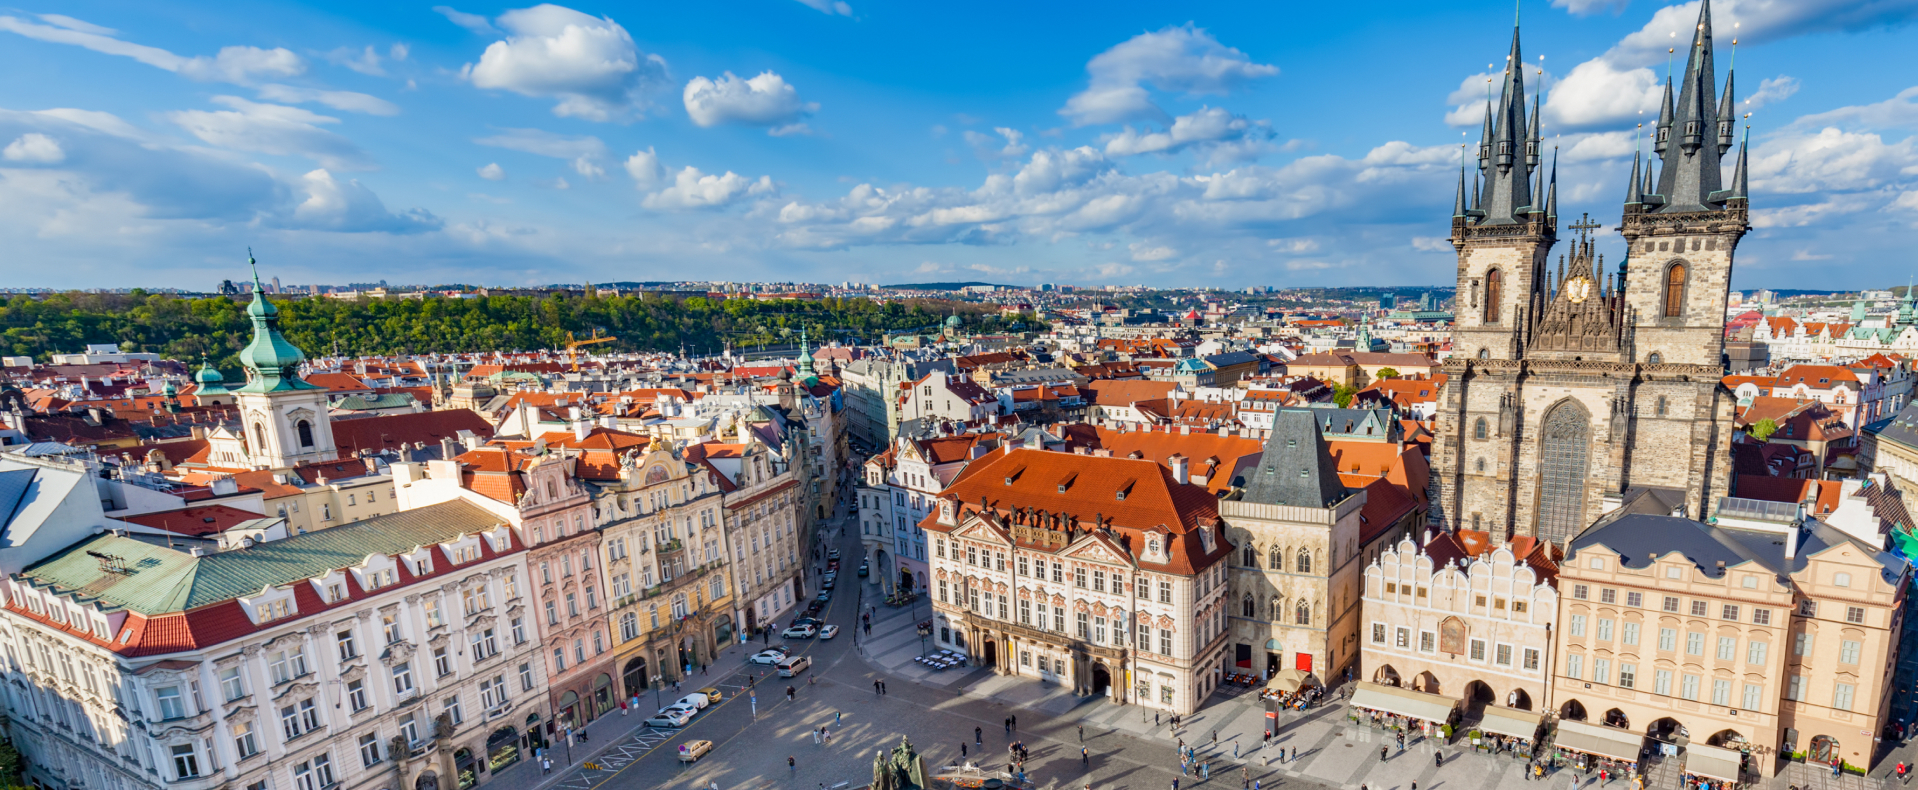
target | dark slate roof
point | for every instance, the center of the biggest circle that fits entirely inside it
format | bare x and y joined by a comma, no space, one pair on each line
1638,538
1901,428
164,580
1232,358
1296,468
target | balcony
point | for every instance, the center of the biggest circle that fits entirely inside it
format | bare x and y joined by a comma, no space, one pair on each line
671,546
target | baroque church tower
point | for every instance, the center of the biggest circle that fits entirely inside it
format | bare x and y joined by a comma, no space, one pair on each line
284,417
1570,386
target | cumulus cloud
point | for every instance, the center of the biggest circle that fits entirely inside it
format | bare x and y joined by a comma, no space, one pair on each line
493,172
1897,112
693,189
338,100
1215,129
240,65
1146,252
645,169
765,100
349,207
272,129
474,23
1831,160
828,7
1185,60
34,148
590,64
1599,92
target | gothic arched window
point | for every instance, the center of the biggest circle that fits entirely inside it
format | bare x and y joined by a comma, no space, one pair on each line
1478,429
259,437
1494,285
1302,614
1484,353
1277,559
1250,555
1655,358
305,430
1675,290
1661,405
1246,606
1304,564
1278,610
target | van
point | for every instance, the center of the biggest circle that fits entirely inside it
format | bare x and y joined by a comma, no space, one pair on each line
793,665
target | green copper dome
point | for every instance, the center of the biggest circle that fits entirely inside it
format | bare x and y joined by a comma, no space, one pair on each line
208,380
272,364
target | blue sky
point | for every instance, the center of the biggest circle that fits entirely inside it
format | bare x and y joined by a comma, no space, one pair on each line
1203,143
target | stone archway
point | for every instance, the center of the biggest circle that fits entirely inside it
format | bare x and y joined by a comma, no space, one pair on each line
1386,675
1477,696
1572,709
1730,739
1101,679
429,780
989,652
1823,749
1426,682
1519,700
1616,718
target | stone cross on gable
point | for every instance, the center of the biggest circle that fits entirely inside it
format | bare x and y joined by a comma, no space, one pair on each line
1584,226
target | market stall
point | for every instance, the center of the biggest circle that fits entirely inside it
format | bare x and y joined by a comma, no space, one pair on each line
1592,746
1396,708
1713,764
1508,730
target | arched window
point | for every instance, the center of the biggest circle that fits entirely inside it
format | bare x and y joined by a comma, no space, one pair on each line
1302,614
1655,358
1675,290
1278,610
1479,465
1479,429
1661,405
1245,606
1493,287
305,430
1277,559
628,627
1304,564
259,437
1484,353
1251,556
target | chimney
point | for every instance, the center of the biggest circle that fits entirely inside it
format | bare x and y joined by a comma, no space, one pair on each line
1791,543
581,428
448,448
1180,467
197,551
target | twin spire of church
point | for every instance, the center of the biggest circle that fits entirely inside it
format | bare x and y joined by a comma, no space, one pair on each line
1691,138
1510,185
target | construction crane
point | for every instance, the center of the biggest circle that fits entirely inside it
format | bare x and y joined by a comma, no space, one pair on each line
573,345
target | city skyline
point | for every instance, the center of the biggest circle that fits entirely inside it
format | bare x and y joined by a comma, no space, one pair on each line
825,142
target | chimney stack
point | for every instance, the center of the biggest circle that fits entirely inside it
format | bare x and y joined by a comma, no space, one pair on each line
1180,469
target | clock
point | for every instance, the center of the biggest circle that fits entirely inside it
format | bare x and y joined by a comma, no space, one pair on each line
1578,289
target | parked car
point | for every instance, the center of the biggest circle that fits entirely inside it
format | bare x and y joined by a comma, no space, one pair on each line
670,717
712,694
683,706
691,751
829,632
799,632
812,621
767,656
824,596
793,666
698,701
864,570
833,555
813,608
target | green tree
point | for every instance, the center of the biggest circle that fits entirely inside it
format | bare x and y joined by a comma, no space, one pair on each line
1763,429
1342,395
1388,373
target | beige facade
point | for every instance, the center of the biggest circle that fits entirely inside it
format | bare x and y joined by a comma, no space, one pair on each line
1475,629
1773,633
1295,581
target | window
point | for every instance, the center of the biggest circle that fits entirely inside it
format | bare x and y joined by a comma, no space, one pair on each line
231,684
1477,649
1675,291
1761,617
1670,602
1165,648
1752,694
1085,626
1607,595
1304,562
285,665
1694,643
1662,681
1079,577
526,676
315,774
1631,633
485,645
1721,692
442,662
185,764
1755,652
1635,600
348,650
493,692
1808,608
519,631
305,430
390,625
1698,608
1727,647
1478,429
369,750
559,659
1841,696
244,742
1729,612
1494,291
1403,638
1605,628
1503,657
1601,671
1581,592
403,678
1848,651
1854,614
1428,641
1688,687
1668,639
1575,666
170,705
1628,676
1098,581
1378,633
1795,690
1801,644
356,695
1578,625
452,709
552,613
628,627
1165,587
1302,614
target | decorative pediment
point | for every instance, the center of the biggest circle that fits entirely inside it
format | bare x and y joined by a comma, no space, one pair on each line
482,621
1583,316
241,714
1058,600
296,415
980,530
441,637
1093,549
294,690
399,651
1080,605
354,672
1165,622
1099,609
286,640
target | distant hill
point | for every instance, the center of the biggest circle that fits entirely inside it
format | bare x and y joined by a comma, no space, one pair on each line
943,286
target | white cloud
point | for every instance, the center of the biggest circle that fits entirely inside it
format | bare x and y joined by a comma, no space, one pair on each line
365,61
239,65
1589,7
692,189
1432,244
347,206
645,169
585,166
765,100
1210,127
829,7
474,23
272,129
543,143
1294,246
1831,160
34,148
1900,112
1599,92
1183,59
399,51
590,64
493,172
988,147
1774,89
338,100
1143,252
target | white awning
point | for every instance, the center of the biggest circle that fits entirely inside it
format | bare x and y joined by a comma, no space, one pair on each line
1590,738
1404,702
1510,721
1712,762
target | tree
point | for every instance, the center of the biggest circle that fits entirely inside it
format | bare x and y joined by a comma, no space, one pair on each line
1763,429
1342,395
1388,373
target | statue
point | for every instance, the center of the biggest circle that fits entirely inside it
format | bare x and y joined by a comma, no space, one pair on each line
901,769
443,727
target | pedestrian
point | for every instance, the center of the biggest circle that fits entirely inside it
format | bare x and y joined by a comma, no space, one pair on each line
790,693
1008,725
978,737
1215,739
546,765
869,628
1082,733
815,737
1438,760
1295,754
962,750
1382,751
882,687
1015,723
1235,750
792,764
875,688
1085,757
1175,783
835,717
1155,718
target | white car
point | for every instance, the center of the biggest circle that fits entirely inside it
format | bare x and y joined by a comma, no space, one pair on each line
766,657
829,632
799,632
791,667
697,701
670,717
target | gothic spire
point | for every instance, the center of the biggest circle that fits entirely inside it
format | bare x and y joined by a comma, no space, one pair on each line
1664,129
1458,203
1551,192
1507,171
1691,171
1727,116
1634,193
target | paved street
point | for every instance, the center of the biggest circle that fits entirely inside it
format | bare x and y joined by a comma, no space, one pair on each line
938,711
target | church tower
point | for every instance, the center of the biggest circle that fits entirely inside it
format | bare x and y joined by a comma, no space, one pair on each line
1569,387
284,418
